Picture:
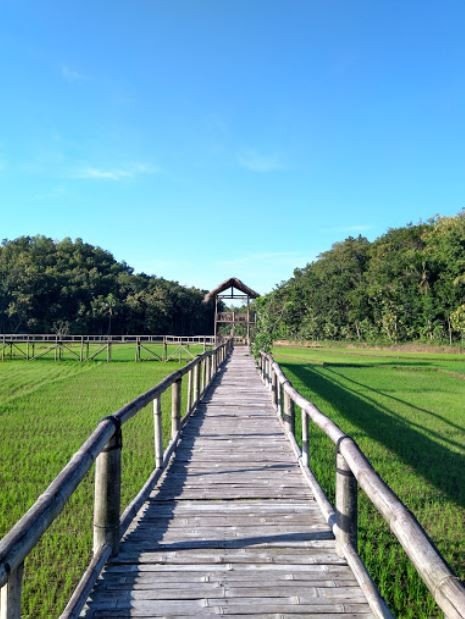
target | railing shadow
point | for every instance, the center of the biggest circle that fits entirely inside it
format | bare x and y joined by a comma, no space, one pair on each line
437,464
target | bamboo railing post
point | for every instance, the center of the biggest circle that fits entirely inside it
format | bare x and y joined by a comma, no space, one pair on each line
305,437
108,494
175,407
346,506
189,392
196,379
204,376
214,363
207,372
289,413
158,432
10,595
279,399
274,388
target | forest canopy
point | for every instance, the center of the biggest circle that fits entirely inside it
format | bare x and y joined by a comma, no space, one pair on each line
408,284
70,286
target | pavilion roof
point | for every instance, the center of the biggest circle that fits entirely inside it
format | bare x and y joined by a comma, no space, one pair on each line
232,282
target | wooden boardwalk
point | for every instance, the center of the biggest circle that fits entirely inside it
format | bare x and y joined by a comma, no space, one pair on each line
232,528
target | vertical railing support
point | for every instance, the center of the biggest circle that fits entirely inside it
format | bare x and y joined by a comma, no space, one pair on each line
108,493
175,407
346,506
189,392
305,437
204,375
274,388
196,384
214,363
208,370
289,413
10,595
158,433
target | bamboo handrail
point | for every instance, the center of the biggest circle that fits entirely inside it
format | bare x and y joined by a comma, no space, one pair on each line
104,447
445,587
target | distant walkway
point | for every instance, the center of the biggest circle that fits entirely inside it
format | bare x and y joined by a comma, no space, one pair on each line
232,528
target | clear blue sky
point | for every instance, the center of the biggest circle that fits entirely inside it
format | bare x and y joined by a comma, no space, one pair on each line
198,140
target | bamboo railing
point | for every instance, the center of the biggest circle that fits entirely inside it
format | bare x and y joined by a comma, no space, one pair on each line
38,345
104,447
353,470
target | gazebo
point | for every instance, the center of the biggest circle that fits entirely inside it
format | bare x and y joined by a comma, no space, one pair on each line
233,288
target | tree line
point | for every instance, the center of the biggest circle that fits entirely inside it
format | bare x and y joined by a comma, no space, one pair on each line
70,286
408,284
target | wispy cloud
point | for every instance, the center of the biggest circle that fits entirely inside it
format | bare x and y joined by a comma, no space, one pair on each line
259,162
72,75
119,173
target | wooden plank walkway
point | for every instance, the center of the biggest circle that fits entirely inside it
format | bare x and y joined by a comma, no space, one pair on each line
232,528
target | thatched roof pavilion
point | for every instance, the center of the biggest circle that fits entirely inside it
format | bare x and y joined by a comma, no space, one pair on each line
233,318
232,282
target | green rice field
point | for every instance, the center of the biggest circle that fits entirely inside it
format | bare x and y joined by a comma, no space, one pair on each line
407,413
404,409
47,409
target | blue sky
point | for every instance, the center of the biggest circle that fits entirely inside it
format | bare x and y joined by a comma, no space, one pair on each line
199,140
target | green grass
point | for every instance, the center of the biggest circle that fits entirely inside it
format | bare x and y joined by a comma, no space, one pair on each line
47,410
406,412
98,351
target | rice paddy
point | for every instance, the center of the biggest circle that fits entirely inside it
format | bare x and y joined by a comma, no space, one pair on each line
406,412
47,409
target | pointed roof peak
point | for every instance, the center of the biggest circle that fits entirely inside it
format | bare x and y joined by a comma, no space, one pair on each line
232,282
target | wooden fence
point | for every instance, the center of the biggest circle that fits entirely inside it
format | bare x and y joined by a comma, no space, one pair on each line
89,347
103,446
353,470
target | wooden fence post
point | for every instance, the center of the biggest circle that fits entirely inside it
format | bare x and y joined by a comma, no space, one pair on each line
346,506
175,407
203,373
214,363
157,424
10,596
305,437
189,392
196,383
208,371
274,388
289,413
108,494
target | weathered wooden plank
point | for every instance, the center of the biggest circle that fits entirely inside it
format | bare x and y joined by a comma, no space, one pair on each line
232,528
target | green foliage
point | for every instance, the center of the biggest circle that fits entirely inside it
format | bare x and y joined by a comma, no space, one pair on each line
405,285
72,286
405,410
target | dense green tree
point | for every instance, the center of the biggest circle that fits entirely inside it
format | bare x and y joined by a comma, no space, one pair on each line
407,284
49,286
